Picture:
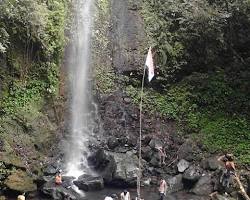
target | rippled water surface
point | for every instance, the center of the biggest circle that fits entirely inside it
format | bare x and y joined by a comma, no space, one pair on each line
147,194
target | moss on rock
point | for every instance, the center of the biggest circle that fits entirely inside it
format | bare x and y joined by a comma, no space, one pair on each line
20,181
11,160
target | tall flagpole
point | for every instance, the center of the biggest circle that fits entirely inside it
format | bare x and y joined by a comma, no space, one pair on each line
149,63
140,138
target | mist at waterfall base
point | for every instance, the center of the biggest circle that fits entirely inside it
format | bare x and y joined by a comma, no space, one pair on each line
81,114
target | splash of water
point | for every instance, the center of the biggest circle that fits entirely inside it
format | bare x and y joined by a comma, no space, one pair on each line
79,61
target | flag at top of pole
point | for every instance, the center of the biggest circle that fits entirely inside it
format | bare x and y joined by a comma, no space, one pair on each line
150,64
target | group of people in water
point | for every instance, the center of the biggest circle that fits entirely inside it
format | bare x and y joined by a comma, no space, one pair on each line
225,179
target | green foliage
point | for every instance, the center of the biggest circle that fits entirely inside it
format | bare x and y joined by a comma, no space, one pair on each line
173,103
216,91
230,134
191,36
22,96
32,41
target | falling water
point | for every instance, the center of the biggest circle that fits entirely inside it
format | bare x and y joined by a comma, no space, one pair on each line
80,95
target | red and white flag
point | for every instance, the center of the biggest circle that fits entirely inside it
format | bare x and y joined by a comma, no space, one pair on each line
150,65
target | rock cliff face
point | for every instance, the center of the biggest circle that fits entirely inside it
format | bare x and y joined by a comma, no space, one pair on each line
127,35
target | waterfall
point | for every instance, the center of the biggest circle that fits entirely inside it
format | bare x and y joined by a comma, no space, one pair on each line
80,94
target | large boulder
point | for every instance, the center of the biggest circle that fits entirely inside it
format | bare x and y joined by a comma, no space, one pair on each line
203,186
20,181
155,143
182,165
187,151
146,153
50,170
126,169
89,183
155,159
104,164
175,183
211,164
58,192
192,175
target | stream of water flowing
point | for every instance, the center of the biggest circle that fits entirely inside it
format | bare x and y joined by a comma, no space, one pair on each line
81,120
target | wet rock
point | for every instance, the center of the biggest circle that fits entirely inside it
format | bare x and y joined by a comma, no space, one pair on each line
50,170
58,192
203,186
182,165
210,164
191,175
43,179
186,151
67,181
20,181
104,164
89,183
126,169
175,183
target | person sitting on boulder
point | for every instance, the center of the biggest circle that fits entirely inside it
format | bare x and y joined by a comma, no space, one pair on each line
58,178
21,197
125,195
230,169
162,155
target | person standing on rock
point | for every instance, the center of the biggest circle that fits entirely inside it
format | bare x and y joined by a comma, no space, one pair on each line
125,195
162,155
162,188
230,169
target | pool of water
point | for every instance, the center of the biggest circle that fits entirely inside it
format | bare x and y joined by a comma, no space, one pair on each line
146,194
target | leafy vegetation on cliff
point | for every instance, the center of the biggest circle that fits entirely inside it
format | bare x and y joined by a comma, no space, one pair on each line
104,74
202,52
32,41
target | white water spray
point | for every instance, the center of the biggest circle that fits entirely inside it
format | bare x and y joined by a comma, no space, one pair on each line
80,95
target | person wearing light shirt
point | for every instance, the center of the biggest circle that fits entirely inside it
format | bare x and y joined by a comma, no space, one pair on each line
162,188
125,195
